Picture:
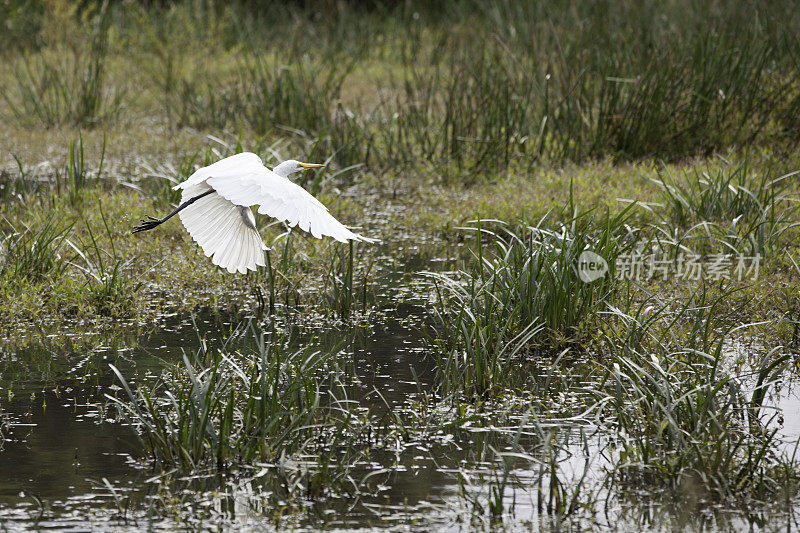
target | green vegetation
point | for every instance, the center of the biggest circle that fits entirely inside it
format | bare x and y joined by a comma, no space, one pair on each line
684,419
524,295
234,409
65,85
489,146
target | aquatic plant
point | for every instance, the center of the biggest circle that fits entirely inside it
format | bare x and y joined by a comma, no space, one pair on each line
522,292
726,192
112,288
685,420
533,470
342,295
731,206
220,409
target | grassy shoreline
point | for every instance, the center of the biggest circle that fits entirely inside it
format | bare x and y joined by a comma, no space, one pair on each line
175,276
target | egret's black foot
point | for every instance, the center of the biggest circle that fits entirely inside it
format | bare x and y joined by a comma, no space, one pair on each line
147,224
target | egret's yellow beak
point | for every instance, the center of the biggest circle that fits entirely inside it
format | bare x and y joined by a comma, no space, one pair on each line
310,165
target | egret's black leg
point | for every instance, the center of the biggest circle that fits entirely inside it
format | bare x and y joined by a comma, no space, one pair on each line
151,222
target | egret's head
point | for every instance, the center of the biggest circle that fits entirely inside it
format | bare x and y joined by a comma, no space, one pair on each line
291,166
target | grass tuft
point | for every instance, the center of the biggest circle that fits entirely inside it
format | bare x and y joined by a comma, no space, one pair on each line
685,422
222,409
34,253
524,291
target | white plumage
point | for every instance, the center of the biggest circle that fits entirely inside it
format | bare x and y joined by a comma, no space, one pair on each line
222,223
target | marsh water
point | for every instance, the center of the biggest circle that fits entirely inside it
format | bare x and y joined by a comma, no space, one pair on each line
68,463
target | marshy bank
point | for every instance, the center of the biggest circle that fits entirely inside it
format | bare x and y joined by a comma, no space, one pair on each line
473,370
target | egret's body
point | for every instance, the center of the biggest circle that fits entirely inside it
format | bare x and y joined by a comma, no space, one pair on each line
216,203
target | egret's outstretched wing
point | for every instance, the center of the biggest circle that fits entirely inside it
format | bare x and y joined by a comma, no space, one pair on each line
223,229
282,199
230,167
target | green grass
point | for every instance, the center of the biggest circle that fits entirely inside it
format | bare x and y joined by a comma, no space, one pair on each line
222,409
35,253
536,89
112,289
726,192
66,86
686,422
346,293
521,294
745,211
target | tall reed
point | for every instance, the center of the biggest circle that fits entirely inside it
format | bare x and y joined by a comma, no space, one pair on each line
66,87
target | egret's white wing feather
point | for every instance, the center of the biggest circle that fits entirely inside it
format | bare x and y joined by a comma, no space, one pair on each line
223,230
232,166
282,199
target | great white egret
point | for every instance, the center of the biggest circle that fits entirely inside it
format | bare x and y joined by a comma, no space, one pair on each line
215,209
